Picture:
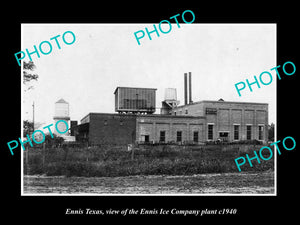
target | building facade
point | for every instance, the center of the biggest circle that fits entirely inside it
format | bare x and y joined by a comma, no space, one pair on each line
196,123
230,121
169,129
107,128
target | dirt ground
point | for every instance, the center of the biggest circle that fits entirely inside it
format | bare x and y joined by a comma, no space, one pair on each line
225,183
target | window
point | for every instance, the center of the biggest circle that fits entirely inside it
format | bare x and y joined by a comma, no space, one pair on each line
146,138
236,132
249,132
210,131
186,111
175,113
223,136
179,136
196,136
260,132
162,136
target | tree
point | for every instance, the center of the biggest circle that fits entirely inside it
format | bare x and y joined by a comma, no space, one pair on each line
27,127
27,73
28,67
271,131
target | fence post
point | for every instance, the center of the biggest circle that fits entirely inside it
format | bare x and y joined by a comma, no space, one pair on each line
27,163
132,154
43,154
130,147
87,154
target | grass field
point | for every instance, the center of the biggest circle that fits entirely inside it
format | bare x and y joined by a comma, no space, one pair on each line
161,169
116,161
213,183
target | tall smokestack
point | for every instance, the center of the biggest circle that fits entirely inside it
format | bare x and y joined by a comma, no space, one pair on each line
190,88
185,89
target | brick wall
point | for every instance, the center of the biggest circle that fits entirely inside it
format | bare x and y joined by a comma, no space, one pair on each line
125,129
111,128
152,125
229,114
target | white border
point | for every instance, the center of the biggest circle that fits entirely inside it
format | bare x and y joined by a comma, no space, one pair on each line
22,113
87,194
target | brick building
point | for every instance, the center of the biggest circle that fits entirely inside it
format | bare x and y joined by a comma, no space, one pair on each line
168,129
193,123
106,128
231,121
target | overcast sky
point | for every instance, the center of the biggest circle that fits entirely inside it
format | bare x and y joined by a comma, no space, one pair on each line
105,56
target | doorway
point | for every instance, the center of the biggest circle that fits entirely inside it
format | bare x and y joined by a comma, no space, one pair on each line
146,138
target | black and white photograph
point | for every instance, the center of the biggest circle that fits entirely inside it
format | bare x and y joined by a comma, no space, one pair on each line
131,109
149,111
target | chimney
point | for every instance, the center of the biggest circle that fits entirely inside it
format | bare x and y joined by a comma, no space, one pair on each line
190,88
185,89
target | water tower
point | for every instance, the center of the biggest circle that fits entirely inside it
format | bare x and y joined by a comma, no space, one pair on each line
61,113
135,100
170,101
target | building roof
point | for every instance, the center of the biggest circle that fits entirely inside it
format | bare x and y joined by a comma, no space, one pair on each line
221,102
135,88
61,101
142,115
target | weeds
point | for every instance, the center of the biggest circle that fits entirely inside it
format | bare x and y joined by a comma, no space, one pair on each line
154,160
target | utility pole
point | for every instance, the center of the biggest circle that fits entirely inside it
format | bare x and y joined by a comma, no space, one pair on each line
26,152
33,116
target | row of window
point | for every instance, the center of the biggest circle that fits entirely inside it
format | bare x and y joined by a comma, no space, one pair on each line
236,132
162,136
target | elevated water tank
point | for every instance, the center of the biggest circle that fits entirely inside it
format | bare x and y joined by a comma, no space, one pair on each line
170,101
61,110
170,94
135,100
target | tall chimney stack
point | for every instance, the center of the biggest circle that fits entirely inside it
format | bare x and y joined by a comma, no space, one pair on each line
185,89
190,88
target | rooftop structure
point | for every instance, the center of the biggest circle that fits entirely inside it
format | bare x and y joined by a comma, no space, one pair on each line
135,100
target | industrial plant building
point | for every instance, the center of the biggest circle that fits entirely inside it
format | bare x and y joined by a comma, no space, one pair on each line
191,123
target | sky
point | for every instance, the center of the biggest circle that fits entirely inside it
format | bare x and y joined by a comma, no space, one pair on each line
105,56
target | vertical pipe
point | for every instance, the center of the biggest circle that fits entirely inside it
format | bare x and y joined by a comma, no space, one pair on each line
190,88
185,88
